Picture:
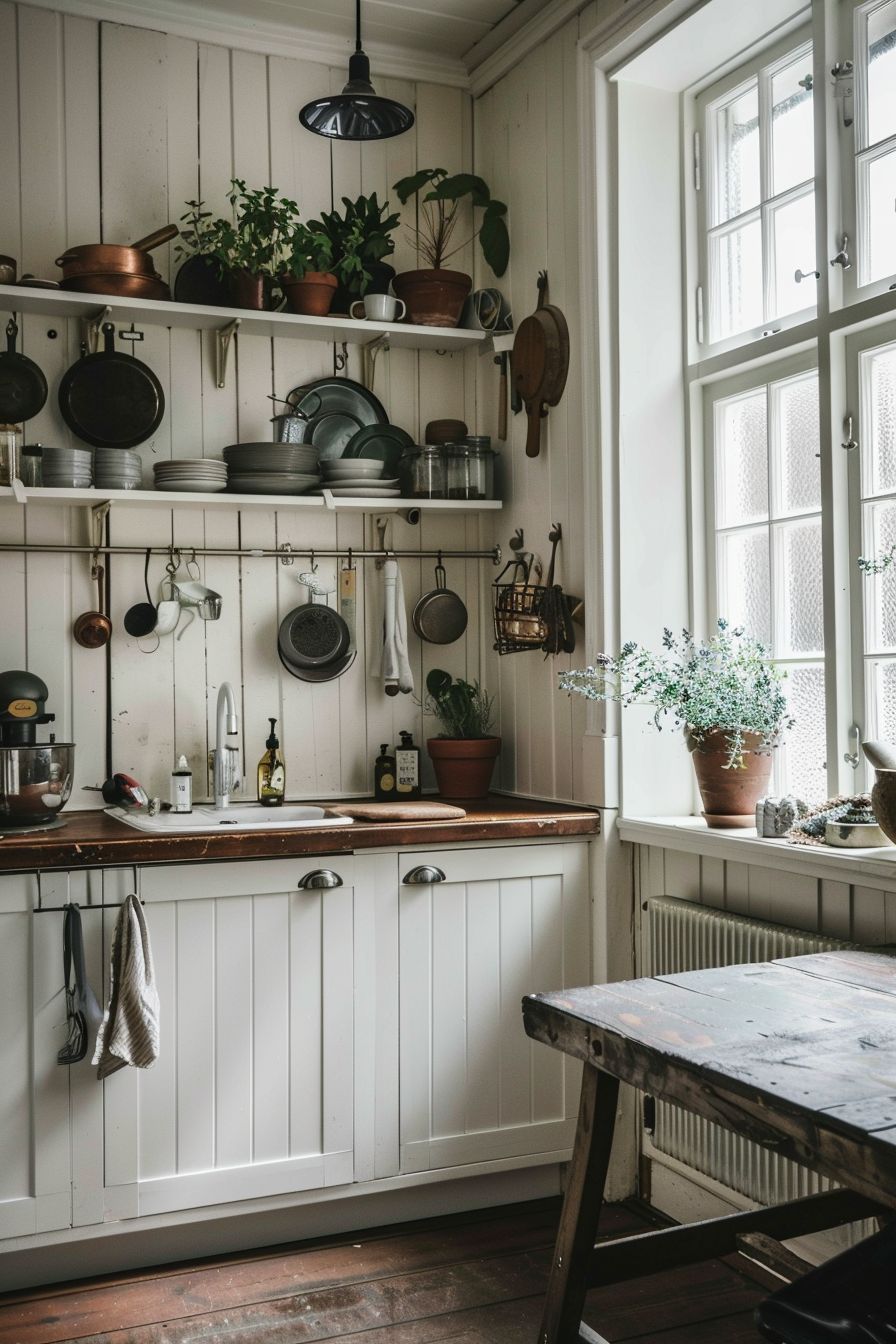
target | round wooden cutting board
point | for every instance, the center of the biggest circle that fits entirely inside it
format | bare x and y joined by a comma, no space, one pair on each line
540,363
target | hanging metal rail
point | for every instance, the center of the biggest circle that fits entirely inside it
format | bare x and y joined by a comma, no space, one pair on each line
285,553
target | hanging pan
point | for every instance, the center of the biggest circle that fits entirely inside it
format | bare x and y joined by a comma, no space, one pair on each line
311,637
111,399
440,616
23,387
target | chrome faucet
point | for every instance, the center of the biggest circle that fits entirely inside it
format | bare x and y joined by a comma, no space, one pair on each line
226,758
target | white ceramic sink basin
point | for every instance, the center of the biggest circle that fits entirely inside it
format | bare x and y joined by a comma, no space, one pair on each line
237,817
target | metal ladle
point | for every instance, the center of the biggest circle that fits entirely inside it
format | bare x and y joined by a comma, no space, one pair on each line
93,629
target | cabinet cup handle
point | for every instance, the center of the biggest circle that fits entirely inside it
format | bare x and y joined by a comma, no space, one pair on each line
423,876
321,877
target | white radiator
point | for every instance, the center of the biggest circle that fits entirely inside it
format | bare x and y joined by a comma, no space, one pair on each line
688,937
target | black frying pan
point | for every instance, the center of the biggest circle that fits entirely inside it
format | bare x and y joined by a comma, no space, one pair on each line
111,399
313,636
23,388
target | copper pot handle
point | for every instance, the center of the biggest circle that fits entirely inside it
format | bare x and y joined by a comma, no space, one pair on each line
156,239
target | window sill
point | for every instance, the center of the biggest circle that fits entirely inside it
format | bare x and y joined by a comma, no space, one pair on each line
691,835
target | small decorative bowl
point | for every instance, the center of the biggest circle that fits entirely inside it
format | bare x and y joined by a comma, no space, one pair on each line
855,835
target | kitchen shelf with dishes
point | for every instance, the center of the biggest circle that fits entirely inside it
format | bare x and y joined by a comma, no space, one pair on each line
194,499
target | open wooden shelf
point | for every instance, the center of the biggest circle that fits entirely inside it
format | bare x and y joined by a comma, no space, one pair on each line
162,499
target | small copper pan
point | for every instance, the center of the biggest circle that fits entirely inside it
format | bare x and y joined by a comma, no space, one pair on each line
105,258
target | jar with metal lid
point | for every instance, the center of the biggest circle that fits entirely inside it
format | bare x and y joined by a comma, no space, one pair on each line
471,469
424,468
10,446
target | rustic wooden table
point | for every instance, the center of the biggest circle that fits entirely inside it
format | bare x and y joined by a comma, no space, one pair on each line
798,1055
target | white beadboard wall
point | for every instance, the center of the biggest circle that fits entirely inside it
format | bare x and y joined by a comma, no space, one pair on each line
526,147
107,130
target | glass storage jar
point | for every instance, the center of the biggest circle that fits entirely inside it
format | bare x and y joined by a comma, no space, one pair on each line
471,468
10,447
424,466
30,464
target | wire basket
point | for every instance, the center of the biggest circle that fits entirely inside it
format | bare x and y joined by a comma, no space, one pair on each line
519,620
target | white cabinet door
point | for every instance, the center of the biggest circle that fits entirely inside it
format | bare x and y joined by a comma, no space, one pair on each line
252,1094
503,923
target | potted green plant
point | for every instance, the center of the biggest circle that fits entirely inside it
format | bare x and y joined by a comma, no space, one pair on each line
725,693
251,249
361,238
200,278
464,753
435,296
308,283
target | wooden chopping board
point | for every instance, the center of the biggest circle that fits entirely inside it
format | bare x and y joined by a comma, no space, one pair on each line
412,811
540,363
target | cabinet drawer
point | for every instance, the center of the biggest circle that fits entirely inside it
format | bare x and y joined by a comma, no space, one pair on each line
240,877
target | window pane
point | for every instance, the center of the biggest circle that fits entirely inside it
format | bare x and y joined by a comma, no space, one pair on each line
879,385
793,227
799,466
800,614
744,592
737,138
881,695
742,460
736,271
881,56
880,591
877,201
804,748
793,145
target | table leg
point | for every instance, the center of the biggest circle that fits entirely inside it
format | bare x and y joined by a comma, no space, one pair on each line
586,1178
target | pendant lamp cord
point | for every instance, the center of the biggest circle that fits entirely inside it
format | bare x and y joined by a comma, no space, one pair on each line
357,25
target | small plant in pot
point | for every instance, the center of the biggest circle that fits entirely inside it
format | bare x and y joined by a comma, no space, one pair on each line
201,278
435,296
308,283
361,238
724,693
464,753
252,248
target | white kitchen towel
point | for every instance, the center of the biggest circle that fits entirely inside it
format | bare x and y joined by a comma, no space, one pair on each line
405,675
129,1033
391,662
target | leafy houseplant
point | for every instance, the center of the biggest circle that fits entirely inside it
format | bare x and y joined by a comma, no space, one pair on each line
725,693
361,240
308,283
464,754
250,248
435,296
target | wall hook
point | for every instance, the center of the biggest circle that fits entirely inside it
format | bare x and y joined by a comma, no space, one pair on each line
340,361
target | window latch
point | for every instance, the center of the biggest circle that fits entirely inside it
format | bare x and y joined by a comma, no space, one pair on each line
851,443
842,257
806,275
844,87
852,757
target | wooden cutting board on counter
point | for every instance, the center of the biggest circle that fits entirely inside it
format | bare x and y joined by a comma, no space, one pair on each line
398,811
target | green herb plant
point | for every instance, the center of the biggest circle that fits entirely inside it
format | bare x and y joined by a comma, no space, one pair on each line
256,240
727,683
437,216
358,236
463,708
308,251
200,234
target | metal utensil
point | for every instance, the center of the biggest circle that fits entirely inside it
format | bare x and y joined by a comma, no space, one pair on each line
93,629
140,619
440,616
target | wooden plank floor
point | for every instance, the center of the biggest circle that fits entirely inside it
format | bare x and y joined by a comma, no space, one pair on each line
470,1278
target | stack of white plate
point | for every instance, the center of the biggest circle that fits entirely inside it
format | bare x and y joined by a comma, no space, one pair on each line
66,468
361,477
272,468
117,469
198,475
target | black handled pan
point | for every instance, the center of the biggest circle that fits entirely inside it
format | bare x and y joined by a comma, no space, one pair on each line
440,616
111,399
23,388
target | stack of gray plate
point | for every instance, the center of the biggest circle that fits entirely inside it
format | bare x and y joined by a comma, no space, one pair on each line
195,475
117,469
67,468
271,468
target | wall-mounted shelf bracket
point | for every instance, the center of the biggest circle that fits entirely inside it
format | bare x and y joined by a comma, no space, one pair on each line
223,337
92,328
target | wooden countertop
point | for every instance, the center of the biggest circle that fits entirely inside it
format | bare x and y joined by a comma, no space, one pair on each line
94,840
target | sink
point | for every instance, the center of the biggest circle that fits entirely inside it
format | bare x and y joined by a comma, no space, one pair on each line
237,817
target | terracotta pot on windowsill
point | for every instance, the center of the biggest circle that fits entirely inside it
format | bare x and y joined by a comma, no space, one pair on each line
464,765
729,795
312,295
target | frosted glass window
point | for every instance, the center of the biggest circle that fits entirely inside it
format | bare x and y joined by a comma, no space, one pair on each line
737,129
742,459
793,229
793,132
800,607
877,192
801,768
879,454
737,265
799,475
881,57
881,696
744,581
880,591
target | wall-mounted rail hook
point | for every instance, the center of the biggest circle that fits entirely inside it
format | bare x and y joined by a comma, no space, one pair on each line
223,339
92,328
286,555
517,541
851,443
340,361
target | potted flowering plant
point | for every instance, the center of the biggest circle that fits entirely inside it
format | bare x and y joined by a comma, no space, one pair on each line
724,693
464,753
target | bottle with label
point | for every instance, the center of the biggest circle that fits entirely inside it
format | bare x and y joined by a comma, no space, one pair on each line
182,787
384,776
407,768
271,772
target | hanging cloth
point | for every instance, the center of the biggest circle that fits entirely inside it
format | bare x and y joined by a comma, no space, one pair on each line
129,1033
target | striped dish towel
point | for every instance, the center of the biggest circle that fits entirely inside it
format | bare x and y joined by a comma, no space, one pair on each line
129,1033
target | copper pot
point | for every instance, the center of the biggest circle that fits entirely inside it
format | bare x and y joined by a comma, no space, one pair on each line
108,258
125,286
93,629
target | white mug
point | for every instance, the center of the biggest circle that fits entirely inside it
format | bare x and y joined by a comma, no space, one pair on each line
378,308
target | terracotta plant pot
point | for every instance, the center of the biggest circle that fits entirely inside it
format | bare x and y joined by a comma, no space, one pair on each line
463,766
247,291
312,295
433,298
730,796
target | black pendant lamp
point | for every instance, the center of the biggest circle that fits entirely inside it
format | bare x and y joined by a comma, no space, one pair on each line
357,113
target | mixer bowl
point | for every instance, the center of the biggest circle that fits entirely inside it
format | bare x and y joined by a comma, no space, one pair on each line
35,782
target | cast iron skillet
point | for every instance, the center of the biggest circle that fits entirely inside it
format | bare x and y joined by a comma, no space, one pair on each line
111,399
23,388
313,636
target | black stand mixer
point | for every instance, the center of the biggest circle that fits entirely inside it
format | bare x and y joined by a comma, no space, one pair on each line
35,778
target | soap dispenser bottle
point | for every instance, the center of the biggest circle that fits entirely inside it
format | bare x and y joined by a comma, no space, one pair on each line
384,776
271,772
407,768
